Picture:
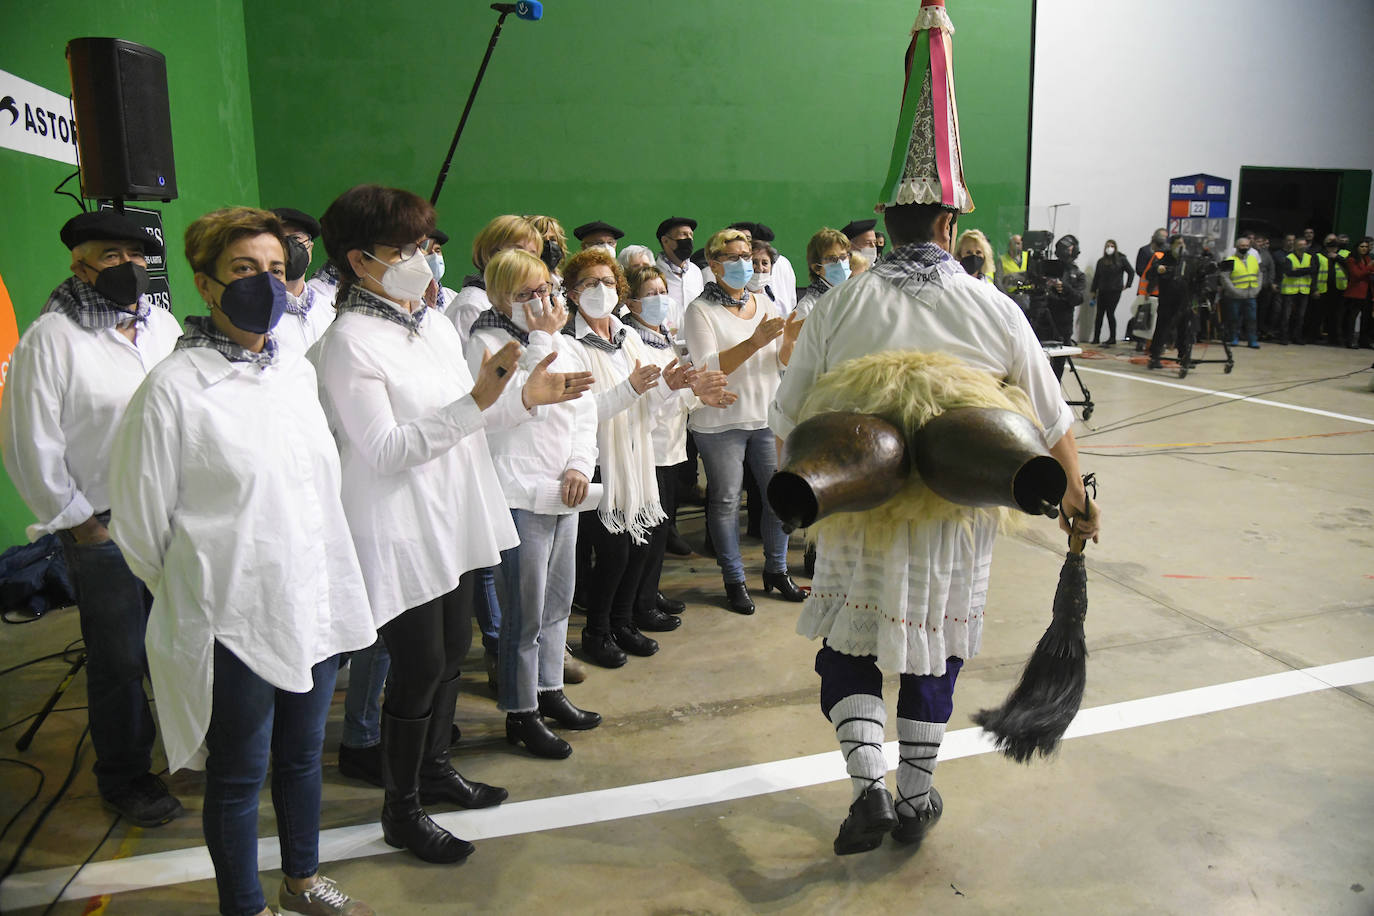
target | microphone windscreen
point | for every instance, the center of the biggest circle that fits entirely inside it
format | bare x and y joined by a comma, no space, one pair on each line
532,10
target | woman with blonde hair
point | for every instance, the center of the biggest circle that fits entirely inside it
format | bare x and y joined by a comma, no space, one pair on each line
974,252
503,232
544,467
828,257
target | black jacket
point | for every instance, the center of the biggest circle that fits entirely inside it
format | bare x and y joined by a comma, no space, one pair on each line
1112,274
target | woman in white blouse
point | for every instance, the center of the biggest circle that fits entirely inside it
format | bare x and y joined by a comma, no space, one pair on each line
544,467
503,232
224,491
421,495
740,333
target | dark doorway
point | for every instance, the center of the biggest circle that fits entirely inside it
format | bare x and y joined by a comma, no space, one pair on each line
1279,201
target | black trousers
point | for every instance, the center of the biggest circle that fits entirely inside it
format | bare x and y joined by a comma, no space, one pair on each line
1175,324
646,595
427,645
1106,308
613,581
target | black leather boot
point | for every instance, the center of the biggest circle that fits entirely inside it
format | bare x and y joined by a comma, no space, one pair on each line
555,705
787,589
440,783
737,598
404,823
528,728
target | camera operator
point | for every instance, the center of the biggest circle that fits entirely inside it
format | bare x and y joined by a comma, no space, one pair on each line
1066,292
1173,273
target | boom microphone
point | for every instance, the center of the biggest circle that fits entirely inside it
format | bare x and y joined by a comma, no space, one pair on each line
531,10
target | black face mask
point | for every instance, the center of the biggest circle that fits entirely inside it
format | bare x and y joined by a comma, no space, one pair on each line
973,264
297,259
552,254
682,249
254,304
123,283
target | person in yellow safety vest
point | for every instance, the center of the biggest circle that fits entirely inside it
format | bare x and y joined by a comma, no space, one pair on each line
1239,290
1295,289
1328,303
1012,277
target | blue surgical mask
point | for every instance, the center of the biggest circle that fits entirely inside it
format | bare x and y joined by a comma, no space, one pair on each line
254,304
837,273
653,309
436,265
737,273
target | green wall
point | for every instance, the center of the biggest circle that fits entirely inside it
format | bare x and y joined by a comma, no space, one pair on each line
207,75
779,111
626,111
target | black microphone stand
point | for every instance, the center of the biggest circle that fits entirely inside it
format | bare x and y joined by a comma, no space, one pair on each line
467,109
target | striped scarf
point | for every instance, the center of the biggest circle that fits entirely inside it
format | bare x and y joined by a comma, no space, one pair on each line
200,332
491,318
360,300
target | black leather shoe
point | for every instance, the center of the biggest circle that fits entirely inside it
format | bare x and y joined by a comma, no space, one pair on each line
737,598
912,830
633,641
655,621
145,802
601,650
361,763
669,605
441,784
555,705
528,728
677,545
787,589
871,816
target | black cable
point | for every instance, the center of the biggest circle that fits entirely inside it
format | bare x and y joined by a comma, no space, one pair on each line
87,861
43,658
48,808
33,715
58,190
32,798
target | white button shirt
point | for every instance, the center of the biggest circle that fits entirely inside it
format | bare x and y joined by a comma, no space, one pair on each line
65,392
562,438
462,310
713,329
295,334
684,285
224,488
784,285
419,489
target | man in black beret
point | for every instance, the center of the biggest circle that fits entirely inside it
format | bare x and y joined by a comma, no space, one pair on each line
70,378
862,239
598,233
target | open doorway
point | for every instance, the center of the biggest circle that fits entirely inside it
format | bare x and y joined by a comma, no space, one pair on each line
1282,200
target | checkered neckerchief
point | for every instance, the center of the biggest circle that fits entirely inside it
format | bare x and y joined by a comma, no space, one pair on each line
200,332
360,300
82,303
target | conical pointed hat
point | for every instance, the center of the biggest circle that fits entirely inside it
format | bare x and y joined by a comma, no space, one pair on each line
927,166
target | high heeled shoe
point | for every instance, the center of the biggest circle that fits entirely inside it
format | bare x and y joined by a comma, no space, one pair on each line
555,705
737,598
528,728
787,589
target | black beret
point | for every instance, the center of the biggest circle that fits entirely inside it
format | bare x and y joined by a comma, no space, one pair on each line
105,225
299,218
672,222
587,229
746,226
439,236
859,227
763,234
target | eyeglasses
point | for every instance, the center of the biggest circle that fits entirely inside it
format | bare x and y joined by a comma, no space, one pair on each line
836,258
732,258
529,294
405,251
608,282
300,237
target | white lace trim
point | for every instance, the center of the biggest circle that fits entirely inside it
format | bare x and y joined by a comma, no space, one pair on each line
932,17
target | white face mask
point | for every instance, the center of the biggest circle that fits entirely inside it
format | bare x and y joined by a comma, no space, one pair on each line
1110,250
405,281
607,247
517,313
758,281
871,252
597,302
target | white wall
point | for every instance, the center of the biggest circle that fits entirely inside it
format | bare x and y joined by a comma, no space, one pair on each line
1131,93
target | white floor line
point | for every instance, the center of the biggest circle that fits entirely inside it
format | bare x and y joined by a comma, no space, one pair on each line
1229,394
193,864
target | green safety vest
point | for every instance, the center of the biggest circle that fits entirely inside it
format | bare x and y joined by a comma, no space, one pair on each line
1245,274
1011,266
1297,285
1324,269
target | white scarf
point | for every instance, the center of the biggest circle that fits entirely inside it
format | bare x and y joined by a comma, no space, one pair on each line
626,450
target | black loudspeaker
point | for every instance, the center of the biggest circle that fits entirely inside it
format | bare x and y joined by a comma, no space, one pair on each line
124,125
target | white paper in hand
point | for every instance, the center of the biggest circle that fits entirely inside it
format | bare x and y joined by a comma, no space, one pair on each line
548,498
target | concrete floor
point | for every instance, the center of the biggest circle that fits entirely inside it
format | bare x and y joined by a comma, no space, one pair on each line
1217,564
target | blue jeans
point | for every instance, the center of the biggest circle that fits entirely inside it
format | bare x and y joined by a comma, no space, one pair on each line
367,669
113,607
487,608
1240,314
724,454
251,721
538,580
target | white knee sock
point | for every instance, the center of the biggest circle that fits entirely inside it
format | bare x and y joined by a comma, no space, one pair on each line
859,720
918,745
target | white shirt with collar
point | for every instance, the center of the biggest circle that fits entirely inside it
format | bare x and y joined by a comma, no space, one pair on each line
65,391
562,438
323,288
462,310
784,285
224,485
684,284
419,489
297,333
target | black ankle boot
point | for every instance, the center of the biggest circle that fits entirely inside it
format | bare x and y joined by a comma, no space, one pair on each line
555,705
440,783
600,649
787,589
633,641
361,763
528,728
737,598
404,823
